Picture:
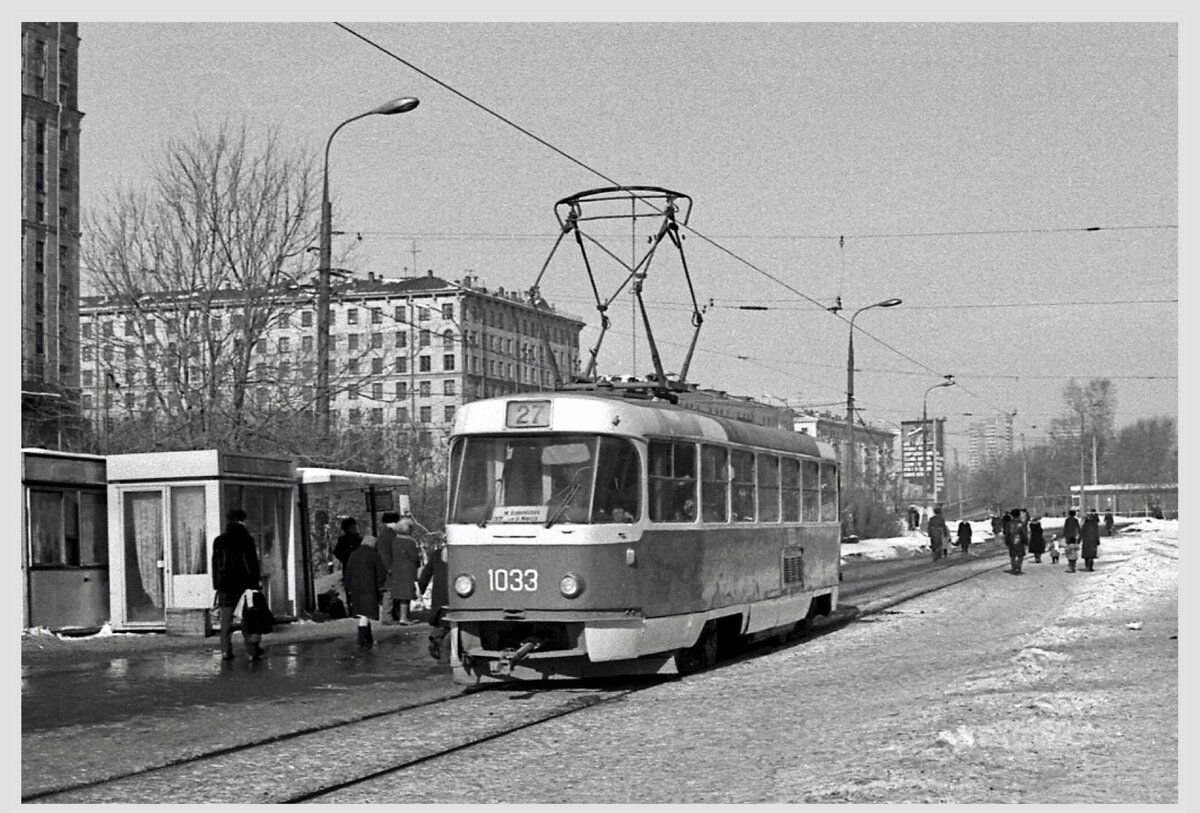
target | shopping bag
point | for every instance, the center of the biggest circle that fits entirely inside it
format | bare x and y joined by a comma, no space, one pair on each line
257,618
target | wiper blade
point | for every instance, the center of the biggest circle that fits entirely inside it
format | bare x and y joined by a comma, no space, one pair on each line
566,503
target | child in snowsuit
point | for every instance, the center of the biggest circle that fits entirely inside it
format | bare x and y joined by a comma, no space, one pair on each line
1072,551
1053,550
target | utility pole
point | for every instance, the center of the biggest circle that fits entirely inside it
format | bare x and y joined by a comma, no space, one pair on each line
1095,494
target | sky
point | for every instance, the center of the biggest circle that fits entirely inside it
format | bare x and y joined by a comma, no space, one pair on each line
955,165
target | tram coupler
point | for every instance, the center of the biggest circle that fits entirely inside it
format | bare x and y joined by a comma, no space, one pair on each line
510,657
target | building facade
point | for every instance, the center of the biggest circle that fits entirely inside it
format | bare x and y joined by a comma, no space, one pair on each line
989,440
403,352
50,129
874,448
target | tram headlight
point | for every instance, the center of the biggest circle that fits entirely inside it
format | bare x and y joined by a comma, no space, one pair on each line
464,584
570,585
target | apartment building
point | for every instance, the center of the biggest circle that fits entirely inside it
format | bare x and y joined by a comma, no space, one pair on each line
989,440
50,128
406,351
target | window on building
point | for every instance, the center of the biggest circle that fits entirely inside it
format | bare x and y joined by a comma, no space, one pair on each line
401,338
377,390
85,353
448,339
107,328
85,378
283,320
285,369
260,346
355,415
352,342
424,364
377,415
376,340
68,528
376,316
401,365
448,387
448,413
285,344
352,367
401,389
426,414
399,315
448,310
448,362
306,318
306,344
424,338
402,414
352,316
423,389
376,366
422,314
352,392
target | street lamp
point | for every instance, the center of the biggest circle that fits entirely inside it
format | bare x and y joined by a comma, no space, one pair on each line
925,461
401,105
887,303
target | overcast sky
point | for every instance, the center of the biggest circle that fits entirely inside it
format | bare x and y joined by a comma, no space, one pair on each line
961,162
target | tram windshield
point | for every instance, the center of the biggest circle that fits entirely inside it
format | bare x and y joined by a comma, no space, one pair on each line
546,479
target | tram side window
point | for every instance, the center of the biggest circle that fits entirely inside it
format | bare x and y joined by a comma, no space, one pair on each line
810,488
714,483
672,482
618,482
743,486
768,488
789,479
829,494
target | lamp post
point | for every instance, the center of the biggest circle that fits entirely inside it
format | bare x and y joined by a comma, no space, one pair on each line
887,303
925,461
402,105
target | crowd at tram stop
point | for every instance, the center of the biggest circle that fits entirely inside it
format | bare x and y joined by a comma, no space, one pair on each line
1024,536
385,572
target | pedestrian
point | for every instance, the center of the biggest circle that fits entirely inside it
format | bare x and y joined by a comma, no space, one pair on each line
997,526
1016,549
1089,538
402,559
964,535
1037,540
938,533
364,578
348,541
1053,550
1071,527
235,570
1071,549
1108,523
1006,531
434,576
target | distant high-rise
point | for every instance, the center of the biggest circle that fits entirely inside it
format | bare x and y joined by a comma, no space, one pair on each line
50,121
989,440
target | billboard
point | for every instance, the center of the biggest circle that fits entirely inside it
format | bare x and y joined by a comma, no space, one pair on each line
923,455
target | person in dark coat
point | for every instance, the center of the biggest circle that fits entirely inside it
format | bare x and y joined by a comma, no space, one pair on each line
939,534
235,570
1089,537
964,535
347,542
1108,523
402,559
1071,528
435,577
1006,524
1016,548
1037,539
364,578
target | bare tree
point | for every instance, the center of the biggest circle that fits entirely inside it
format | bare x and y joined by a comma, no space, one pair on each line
198,271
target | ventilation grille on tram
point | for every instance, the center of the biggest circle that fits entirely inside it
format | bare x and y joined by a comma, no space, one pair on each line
793,568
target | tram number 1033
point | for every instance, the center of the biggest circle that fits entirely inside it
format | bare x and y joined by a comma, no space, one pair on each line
512,580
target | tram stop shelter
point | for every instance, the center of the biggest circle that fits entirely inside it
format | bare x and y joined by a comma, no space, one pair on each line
164,508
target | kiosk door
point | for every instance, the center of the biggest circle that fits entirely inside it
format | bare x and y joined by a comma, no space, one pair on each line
146,581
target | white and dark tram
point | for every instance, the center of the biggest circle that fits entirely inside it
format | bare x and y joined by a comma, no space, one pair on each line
595,534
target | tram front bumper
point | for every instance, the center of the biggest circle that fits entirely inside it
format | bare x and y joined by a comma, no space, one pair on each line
597,636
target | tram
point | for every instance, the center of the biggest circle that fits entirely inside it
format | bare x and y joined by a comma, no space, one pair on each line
598,533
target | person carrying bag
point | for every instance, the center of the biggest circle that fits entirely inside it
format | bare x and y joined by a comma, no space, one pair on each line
235,572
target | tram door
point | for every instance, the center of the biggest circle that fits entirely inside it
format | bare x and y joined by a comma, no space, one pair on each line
166,561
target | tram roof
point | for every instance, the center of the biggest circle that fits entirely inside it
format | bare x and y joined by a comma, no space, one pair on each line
681,422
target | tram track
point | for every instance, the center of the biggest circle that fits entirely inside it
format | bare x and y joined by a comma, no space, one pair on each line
399,739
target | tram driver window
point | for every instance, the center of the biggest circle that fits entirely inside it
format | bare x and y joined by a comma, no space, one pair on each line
672,482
